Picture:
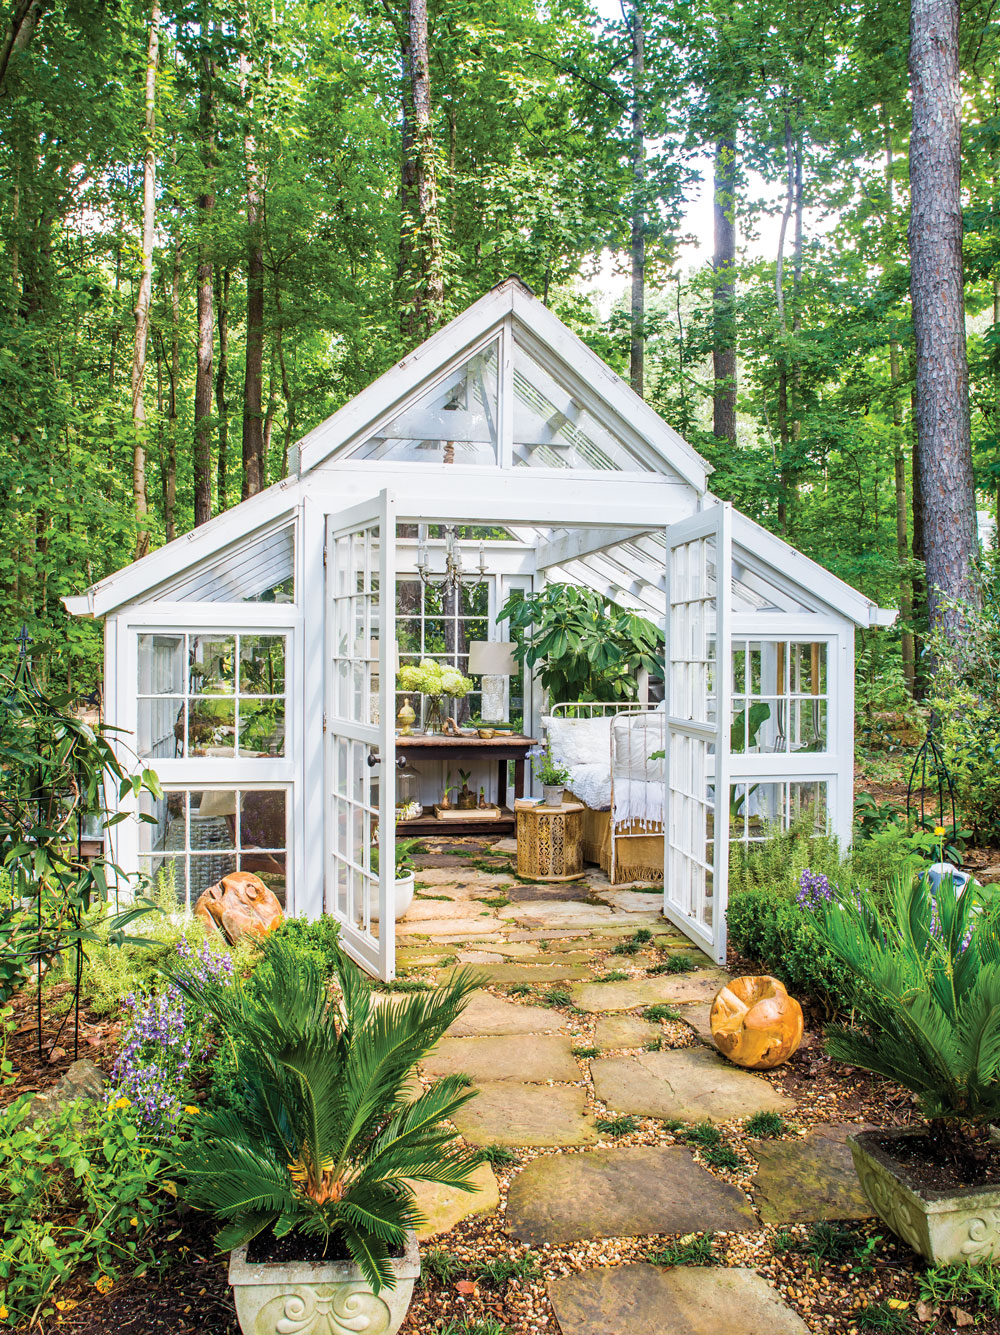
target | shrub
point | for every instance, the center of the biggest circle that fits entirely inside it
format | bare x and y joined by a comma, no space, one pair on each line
317,937
768,926
923,974
331,1138
80,1188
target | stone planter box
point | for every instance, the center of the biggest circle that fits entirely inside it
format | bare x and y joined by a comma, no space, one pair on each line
319,1298
942,1226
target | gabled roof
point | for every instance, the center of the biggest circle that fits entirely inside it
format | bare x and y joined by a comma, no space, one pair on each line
666,451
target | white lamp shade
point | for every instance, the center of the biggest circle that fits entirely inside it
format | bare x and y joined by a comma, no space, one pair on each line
493,658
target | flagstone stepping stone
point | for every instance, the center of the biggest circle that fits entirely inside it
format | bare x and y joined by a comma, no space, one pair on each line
700,985
633,901
685,1300
451,929
571,912
505,1113
423,909
812,1177
624,1031
696,1014
479,957
487,1014
563,1198
446,1206
504,1057
522,973
689,1084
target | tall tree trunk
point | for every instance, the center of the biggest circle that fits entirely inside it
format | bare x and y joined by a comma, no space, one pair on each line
20,29
784,434
222,278
724,288
899,452
936,288
637,343
170,476
206,322
429,295
253,380
145,293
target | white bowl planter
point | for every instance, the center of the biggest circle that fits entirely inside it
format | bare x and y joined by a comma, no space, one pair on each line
943,1226
403,893
319,1298
552,794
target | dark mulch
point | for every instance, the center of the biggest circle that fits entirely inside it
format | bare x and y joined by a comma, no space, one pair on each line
945,1162
98,1039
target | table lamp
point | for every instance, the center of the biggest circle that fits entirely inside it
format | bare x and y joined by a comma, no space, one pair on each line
493,660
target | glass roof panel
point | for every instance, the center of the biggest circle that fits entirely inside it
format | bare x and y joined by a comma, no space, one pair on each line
455,422
553,430
260,571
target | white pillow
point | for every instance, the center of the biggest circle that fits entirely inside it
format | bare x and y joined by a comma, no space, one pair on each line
636,737
580,741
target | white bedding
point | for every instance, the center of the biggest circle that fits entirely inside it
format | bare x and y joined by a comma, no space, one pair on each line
584,747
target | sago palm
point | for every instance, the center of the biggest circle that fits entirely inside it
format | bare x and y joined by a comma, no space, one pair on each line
334,1131
926,991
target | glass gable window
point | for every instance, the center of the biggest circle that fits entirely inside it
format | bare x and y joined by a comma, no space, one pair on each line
262,571
197,836
553,430
456,422
211,694
780,699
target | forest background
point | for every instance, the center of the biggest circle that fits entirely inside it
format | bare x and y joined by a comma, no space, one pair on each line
221,220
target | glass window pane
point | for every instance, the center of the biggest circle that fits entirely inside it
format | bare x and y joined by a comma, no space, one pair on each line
453,423
262,664
212,667
160,727
553,430
211,727
213,820
262,727
161,664
262,820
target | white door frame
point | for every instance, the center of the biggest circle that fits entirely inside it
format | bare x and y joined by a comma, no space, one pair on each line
695,728
351,888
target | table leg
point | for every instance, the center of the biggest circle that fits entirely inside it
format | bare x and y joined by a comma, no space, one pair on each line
501,784
519,777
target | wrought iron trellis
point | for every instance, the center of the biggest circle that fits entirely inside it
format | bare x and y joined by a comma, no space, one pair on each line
930,757
24,688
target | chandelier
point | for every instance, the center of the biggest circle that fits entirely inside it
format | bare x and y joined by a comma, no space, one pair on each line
455,576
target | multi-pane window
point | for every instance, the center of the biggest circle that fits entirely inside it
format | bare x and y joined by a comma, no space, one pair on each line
211,694
432,622
758,809
197,836
780,699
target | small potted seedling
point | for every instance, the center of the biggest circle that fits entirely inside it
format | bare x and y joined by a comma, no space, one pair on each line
552,776
467,796
405,882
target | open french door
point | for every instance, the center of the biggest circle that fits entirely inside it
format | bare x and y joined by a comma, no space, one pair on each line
359,716
696,825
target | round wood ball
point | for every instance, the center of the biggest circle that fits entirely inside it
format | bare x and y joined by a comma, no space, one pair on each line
755,1023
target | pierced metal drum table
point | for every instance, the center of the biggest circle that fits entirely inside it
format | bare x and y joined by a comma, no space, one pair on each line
549,841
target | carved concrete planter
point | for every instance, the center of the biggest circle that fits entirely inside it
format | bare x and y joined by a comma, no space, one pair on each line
324,1298
942,1226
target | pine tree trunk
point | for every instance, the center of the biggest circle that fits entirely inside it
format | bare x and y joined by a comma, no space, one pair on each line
222,280
170,477
253,381
937,292
206,322
144,296
429,297
637,343
784,435
724,289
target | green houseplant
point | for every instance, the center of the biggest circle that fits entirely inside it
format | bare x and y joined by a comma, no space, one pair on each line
319,1158
923,975
551,775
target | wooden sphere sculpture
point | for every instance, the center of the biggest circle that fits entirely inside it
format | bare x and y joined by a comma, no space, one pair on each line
755,1023
238,905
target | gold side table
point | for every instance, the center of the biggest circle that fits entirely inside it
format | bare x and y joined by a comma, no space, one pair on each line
549,841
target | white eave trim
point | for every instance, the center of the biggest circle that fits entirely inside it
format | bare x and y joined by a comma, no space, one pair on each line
814,580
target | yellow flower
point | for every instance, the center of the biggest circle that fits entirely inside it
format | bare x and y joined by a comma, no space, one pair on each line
192,1110
134,1222
123,1102
3,1312
104,1283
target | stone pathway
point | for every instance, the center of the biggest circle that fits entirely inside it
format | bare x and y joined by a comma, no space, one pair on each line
687,1300
556,1054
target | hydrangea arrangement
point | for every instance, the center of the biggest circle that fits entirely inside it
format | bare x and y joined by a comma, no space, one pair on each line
430,677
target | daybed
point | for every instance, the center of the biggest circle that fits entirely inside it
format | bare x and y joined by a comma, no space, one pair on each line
608,750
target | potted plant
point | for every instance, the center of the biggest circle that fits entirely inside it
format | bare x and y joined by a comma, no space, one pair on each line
310,1176
467,795
923,978
552,776
405,883
435,681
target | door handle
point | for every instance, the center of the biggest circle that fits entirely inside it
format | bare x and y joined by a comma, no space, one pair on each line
373,760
